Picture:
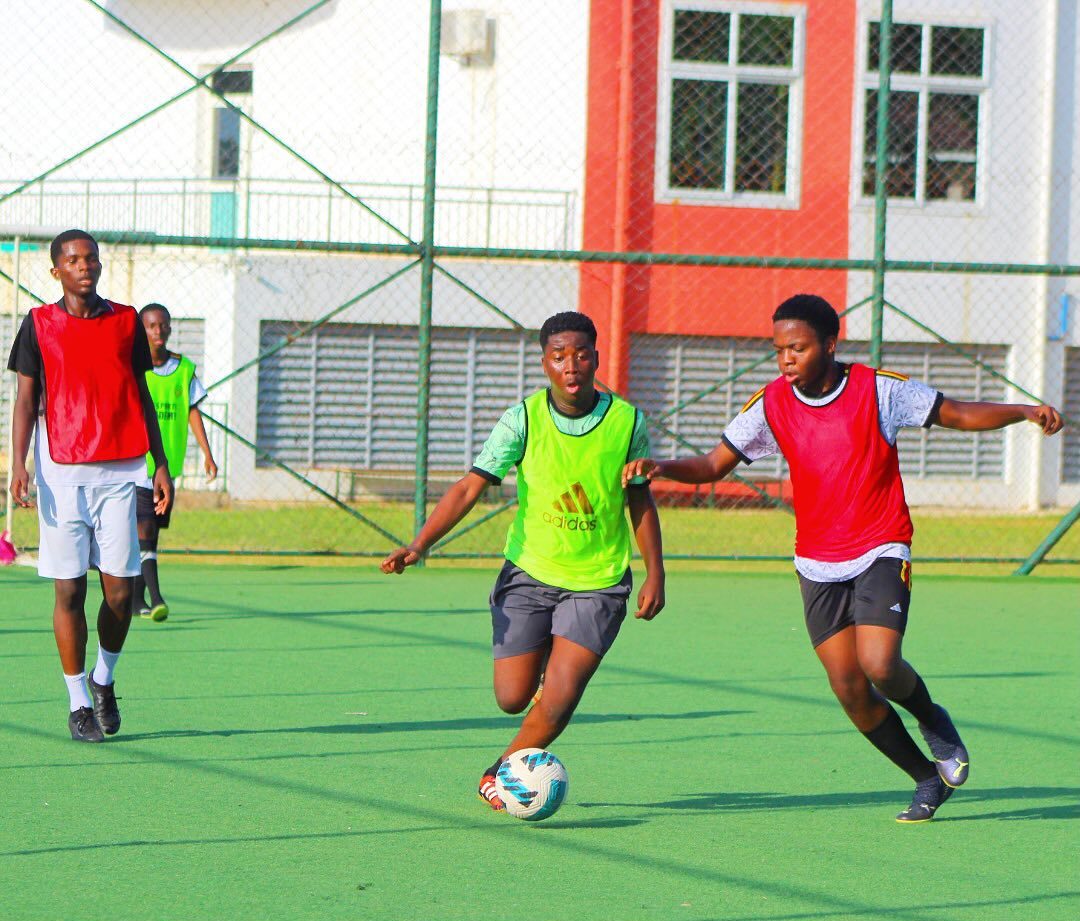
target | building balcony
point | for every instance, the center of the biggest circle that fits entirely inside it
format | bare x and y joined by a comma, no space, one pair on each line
288,209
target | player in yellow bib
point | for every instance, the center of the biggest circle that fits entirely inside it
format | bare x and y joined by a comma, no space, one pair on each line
561,596
176,392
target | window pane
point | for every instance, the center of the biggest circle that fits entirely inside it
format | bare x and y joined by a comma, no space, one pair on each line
761,137
951,146
906,47
226,144
767,40
956,51
901,144
232,81
701,36
698,134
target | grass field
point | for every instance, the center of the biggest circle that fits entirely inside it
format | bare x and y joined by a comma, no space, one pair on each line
201,524
303,742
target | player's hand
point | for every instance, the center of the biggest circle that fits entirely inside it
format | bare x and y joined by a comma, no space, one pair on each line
163,490
211,469
643,466
650,600
399,559
20,486
1046,417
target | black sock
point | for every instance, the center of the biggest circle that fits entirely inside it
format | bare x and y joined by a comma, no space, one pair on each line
149,574
919,704
892,739
138,595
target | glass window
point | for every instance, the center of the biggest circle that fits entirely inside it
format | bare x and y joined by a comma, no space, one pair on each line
935,112
702,36
226,143
731,103
698,134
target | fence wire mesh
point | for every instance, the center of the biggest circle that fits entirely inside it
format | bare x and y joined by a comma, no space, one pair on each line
674,168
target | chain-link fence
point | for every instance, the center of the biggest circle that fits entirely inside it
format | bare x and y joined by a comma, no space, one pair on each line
360,211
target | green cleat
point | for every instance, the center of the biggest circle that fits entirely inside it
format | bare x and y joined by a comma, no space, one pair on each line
158,612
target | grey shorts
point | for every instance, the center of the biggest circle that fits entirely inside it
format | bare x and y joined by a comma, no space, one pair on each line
525,614
880,597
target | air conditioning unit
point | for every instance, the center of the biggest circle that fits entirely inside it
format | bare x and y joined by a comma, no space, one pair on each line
468,36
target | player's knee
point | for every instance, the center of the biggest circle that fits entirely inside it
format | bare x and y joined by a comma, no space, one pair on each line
118,596
850,689
881,672
513,700
69,595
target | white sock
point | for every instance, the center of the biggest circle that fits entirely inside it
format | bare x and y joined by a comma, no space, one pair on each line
106,662
76,685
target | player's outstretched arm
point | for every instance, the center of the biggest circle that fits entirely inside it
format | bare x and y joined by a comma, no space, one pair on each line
646,522
198,429
704,468
982,417
453,506
23,419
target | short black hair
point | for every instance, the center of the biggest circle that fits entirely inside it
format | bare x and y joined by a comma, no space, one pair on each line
569,321
65,237
812,310
151,307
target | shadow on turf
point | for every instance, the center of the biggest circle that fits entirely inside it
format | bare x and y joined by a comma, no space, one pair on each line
465,723
741,801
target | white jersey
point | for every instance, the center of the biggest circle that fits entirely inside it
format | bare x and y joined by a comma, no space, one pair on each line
901,403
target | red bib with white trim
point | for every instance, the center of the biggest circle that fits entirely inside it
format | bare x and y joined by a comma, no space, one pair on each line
845,476
92,406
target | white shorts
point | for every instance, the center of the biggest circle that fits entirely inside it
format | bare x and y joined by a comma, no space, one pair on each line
87,526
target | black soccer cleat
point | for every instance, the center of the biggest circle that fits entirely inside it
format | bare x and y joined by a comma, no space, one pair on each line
83,726
106,712
949,752
929,795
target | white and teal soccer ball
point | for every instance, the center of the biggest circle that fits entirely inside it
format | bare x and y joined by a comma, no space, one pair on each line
532,783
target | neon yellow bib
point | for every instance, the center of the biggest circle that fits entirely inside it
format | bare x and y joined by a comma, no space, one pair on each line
171,394
571,529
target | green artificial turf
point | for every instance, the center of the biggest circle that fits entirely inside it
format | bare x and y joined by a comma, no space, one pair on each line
303,742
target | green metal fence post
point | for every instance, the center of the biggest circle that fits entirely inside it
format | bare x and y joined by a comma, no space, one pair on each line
881,160
1071,517
427,267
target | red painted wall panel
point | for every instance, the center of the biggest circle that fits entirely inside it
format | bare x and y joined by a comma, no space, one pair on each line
703,300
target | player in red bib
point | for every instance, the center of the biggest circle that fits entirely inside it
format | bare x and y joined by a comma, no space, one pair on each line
836,425
80,364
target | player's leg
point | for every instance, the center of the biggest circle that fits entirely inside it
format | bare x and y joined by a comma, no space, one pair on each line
64,537
115,553
569,669
149,530
882,598
829,609
147,536
521,610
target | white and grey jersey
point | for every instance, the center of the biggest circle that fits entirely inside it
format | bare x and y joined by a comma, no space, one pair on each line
902,403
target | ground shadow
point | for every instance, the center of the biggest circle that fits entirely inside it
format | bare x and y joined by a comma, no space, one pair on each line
463,723
749,801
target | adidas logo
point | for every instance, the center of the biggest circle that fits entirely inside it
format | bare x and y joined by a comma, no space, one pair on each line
896,607
566,502
575,501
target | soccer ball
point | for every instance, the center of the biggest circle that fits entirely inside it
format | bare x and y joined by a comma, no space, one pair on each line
532,783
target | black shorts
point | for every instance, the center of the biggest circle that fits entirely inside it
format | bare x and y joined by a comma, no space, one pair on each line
879,597
526,614
144,508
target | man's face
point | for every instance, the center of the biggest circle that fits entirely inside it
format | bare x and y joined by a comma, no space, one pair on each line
802,357
78,267
570,362
157,326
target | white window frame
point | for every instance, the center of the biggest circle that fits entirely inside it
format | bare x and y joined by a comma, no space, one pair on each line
670,70
923,83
